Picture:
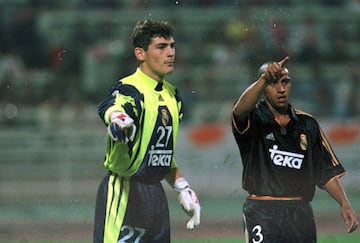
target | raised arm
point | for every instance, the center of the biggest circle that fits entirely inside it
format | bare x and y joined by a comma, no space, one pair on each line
249,98
251,95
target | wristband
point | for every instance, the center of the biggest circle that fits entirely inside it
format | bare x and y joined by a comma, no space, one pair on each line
180,184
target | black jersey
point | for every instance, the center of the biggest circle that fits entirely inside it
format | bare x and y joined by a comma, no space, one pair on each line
284,162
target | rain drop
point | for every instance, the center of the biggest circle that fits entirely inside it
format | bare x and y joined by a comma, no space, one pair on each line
60,54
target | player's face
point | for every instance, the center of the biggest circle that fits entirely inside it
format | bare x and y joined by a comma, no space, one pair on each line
277,93
158,59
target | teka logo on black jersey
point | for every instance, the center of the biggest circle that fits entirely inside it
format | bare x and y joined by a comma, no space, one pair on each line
286,159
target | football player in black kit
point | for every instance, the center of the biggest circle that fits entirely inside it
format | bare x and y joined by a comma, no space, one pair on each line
285,155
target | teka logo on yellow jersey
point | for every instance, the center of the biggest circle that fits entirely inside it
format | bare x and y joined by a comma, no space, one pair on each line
159,157
286,159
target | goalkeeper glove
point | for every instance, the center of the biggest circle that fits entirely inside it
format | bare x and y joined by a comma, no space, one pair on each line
188,201
121,127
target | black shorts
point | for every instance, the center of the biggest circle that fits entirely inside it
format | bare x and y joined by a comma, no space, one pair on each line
275,221
140,213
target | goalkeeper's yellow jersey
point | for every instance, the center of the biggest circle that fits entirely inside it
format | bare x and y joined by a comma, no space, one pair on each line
157,110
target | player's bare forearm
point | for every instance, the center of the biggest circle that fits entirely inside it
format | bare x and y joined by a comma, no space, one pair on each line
249,98
336,190
172,176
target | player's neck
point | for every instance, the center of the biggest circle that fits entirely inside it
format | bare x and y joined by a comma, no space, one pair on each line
282,119
281,116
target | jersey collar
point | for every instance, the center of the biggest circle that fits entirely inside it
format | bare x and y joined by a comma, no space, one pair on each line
149,82
263,106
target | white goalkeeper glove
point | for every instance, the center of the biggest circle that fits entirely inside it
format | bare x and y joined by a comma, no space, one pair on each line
188,201
121,127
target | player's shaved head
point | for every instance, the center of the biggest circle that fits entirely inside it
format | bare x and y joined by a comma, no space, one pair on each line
263,68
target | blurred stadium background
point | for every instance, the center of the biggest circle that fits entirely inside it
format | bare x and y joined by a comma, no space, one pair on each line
58,59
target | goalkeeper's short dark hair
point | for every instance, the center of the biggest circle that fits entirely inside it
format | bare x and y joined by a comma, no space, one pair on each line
145,30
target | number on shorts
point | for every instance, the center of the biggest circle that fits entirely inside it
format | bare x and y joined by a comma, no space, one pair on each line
259,236
132,231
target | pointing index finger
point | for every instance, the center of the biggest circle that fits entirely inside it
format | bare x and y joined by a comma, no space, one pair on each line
283,61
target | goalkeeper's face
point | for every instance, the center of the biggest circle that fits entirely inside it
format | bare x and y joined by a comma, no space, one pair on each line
158,60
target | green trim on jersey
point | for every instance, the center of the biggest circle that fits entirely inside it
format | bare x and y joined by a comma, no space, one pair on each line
125,159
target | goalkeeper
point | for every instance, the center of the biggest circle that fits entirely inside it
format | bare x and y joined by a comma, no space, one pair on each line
142,114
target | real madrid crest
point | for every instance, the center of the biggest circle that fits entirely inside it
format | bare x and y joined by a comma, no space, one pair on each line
303,142
164,117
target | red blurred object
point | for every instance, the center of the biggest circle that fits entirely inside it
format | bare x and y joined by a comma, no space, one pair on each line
343,134
207,134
